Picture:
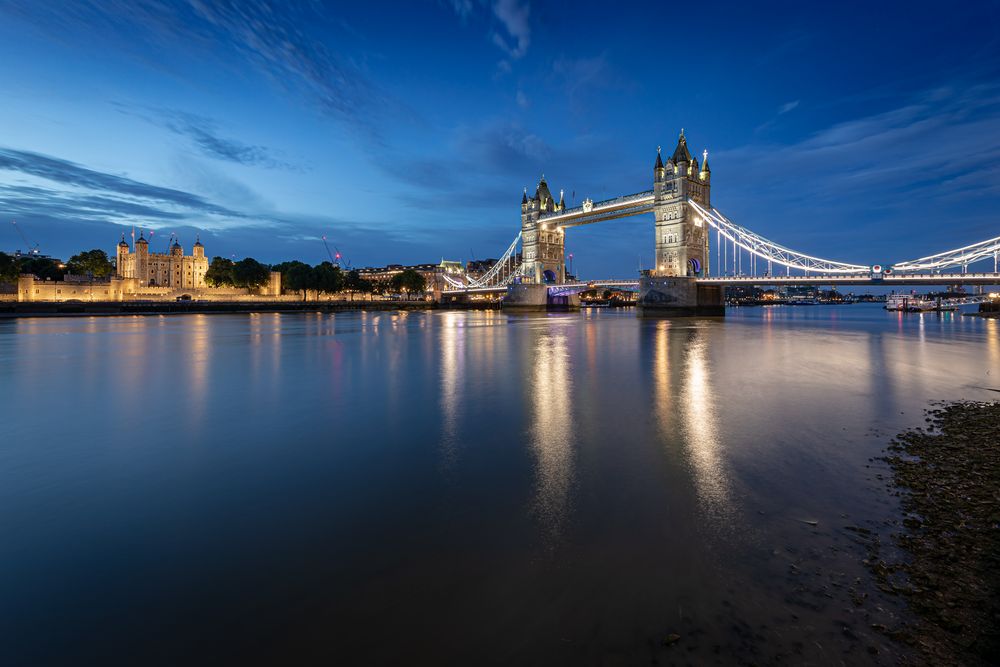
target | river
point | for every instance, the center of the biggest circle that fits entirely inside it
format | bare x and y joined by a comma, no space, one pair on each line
465,488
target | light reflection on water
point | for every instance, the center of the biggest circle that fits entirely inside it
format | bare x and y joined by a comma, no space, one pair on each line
551,394
701,429
566,481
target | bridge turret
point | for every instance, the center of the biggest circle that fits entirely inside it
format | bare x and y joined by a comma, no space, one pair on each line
681,236
659,171
542,243
682,156
706,173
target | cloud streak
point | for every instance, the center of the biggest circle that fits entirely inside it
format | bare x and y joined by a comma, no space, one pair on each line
265,33
513,16
203,133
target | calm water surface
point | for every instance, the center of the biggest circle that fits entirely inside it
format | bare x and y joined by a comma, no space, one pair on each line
457,487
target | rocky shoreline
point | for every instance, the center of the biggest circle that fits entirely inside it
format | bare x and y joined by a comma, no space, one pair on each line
943,556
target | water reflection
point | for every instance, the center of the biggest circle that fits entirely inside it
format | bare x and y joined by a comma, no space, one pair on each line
662,394
452,368
685,406
552,429
701,428
993,348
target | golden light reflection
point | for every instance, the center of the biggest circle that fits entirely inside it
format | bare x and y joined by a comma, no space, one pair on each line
662,394
701,430
452,363
552,430
199,360
993,346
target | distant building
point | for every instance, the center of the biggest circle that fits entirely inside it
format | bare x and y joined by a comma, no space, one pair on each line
432,273
162,270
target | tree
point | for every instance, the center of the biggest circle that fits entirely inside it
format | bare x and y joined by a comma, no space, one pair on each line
248,272
10,268
295,275
408,281
93,263
328,278
42,268
220,273
353,282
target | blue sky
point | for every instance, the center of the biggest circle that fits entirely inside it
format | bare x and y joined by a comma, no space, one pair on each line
405,132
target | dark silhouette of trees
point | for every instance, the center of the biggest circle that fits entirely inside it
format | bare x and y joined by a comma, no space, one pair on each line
93,263
220,273
43,268
409,282
10,268
249,273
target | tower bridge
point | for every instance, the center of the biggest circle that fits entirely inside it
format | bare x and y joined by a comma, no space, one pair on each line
684,280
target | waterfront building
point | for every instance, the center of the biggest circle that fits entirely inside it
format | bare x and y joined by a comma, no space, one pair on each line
175,269
433,273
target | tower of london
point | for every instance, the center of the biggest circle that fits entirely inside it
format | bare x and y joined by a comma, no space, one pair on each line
162,270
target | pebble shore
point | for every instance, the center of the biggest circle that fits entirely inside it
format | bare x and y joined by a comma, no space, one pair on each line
944,554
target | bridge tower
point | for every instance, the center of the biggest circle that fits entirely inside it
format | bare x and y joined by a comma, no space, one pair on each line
681,235
543,247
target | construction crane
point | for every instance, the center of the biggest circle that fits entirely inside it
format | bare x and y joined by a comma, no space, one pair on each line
335,258
32,249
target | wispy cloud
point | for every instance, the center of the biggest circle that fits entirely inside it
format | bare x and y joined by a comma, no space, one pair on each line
514,17
89,181
77,205
463,8
922,162
265,33
787,106
204,134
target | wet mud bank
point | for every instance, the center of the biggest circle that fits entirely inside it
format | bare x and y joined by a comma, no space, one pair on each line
943,554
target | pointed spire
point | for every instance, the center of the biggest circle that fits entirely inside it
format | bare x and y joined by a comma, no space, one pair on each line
659,160
704,164
561,192
681,153
524,198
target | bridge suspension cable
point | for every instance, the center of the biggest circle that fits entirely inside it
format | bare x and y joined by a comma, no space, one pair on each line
770,251
502,273
952,258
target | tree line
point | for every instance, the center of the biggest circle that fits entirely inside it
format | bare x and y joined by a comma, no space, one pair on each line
248,273
94,263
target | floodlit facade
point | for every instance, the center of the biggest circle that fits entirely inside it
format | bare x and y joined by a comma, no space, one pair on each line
175,269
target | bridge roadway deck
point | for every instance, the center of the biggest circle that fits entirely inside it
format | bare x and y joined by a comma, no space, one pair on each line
892,280
883,281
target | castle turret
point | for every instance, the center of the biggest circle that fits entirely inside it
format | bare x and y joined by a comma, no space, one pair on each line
176,250
141,259
198,250
121,265
706,173
659,171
